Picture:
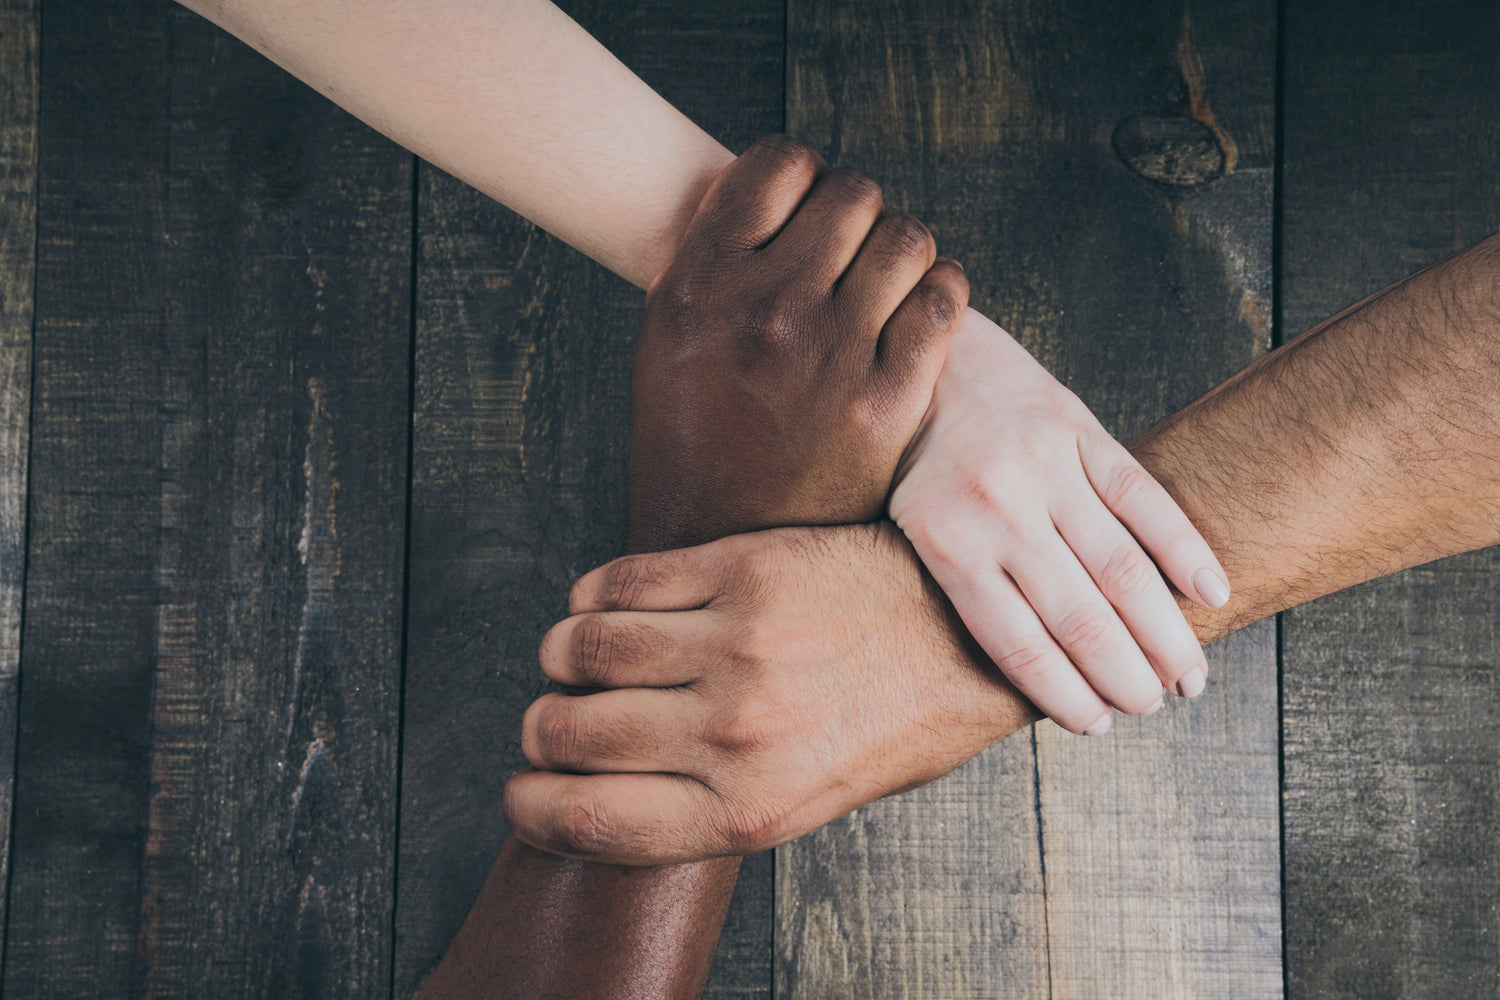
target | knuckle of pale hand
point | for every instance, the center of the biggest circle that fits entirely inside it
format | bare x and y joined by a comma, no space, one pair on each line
1086,632
1127,486
1029,662
583,824
943,546
1127,574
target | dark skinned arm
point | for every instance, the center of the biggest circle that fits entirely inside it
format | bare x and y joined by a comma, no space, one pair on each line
785,360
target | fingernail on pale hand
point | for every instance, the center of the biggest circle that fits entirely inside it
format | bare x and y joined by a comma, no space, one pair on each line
1191,684
1212,587
1155,708
1101,727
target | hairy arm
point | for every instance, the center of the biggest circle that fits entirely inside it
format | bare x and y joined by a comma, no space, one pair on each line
1366,446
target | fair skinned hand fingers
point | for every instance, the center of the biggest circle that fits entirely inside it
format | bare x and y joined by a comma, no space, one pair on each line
1130,582
651,819
1153,517
1085,626
633,729
831,226
626,649
1001,620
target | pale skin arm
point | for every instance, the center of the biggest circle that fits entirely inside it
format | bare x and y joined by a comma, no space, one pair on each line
514,98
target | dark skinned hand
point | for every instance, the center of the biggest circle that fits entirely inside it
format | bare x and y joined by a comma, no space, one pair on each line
786,359
787,355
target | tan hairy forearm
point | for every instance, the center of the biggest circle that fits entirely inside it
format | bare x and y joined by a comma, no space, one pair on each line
1368,445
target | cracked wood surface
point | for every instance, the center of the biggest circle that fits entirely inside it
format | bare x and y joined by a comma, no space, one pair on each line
18,122
206,782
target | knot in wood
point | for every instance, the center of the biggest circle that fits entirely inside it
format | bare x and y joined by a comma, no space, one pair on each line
1170,149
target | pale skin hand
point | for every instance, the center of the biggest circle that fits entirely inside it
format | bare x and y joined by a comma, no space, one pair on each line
1027,534
1368,445
514,98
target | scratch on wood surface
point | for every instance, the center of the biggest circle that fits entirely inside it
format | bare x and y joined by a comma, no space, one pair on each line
313,765
317,546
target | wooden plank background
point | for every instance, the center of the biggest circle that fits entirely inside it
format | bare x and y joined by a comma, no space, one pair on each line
318,439
1392,766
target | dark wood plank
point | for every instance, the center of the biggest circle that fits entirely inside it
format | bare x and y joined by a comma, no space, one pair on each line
521,436
995,124
1392,147
18,126
207,762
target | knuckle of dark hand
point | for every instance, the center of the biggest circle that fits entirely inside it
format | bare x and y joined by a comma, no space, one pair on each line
907,236
786,155
853,189
938,303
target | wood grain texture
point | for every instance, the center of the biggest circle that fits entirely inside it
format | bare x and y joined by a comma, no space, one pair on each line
1161,841
18,127
521,437
997,125
209,718
1392,150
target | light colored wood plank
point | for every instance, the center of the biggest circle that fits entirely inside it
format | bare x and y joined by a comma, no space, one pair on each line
18,180
1162,842
935,894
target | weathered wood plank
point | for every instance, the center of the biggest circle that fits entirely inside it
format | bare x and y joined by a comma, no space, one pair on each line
209,719
521,437
1161,841
1392,150
995,125
18,126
